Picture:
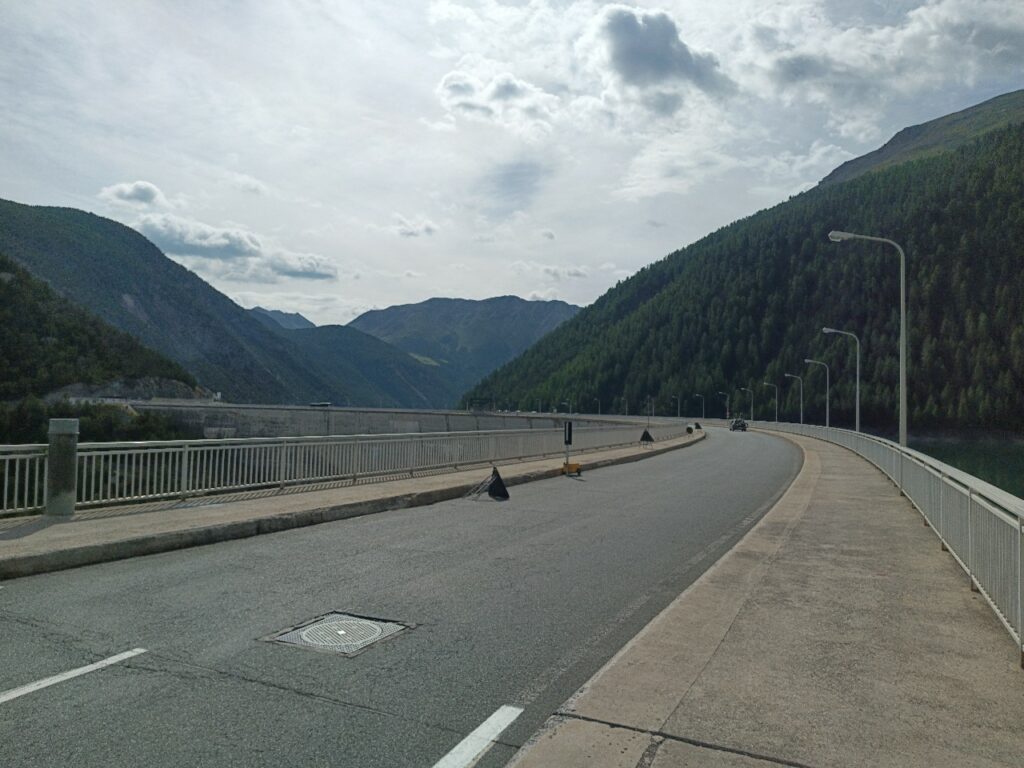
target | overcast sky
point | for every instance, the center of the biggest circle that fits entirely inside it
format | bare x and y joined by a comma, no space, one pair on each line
333,157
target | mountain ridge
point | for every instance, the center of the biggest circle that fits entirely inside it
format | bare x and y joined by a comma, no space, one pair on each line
936,136
465,338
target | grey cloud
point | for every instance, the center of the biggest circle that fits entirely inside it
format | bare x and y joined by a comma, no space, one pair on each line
173,234
405,228
241,254
552,271
506,87
800,67
646,50
511,187
655,223
663,103
138,193
547,234
503,99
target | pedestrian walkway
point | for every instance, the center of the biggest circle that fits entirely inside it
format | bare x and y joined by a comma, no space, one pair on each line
39,543
836,633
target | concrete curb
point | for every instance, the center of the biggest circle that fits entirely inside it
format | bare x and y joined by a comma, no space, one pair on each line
74,557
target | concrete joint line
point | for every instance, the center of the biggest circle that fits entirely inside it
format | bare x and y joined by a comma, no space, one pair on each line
659,734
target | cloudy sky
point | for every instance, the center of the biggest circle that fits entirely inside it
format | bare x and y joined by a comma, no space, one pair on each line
335,156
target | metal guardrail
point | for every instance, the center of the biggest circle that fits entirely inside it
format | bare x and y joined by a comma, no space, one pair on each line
22,477
115,473
981,525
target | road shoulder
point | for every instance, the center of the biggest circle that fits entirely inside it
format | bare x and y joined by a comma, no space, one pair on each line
834,633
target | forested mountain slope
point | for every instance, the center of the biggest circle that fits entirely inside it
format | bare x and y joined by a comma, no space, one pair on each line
746,304
466,338
47,342
936,136
124,279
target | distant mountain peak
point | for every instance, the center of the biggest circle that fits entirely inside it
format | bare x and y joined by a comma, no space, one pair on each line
291,320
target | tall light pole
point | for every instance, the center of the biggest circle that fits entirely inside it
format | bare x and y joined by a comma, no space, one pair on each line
748,389
837,237
726,403
823,365
703,410
801,380
854,337
598,399
679,404
776,388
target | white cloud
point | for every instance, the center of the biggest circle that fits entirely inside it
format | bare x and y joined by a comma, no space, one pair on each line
419,227
137,194
629,129
231,253
550,271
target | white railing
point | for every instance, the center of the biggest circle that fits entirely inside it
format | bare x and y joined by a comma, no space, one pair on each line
115,473
981,525
22,477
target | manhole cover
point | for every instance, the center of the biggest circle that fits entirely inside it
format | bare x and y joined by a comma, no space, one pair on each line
338,633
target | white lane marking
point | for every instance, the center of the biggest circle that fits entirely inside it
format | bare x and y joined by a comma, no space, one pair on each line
47,682
480,740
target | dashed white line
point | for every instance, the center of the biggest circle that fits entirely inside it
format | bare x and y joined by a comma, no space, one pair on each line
480,740
48,681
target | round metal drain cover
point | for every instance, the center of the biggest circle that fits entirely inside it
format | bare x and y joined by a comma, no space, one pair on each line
342,633
337,632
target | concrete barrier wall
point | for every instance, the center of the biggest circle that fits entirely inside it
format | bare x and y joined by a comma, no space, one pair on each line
221,420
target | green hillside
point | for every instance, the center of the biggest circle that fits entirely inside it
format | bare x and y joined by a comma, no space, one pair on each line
48,342
936,136
125,280
746,304
467,339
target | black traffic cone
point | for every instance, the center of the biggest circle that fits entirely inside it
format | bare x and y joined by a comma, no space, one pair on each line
496,487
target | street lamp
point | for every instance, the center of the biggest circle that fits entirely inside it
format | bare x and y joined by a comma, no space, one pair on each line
823,365
775,387
703,410
801,380
854,337
679,404
838,237
598,399
726,403
748,389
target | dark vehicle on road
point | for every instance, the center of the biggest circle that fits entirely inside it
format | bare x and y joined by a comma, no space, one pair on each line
738,425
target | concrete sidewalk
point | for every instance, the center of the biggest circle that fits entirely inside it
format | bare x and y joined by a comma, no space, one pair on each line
39,544
836,633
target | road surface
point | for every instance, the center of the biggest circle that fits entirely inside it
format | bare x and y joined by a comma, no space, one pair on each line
515,605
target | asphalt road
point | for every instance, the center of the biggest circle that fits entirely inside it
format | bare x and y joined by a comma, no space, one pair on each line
515,603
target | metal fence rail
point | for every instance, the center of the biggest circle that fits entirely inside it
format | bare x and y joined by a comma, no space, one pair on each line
22,477
981,525
115,473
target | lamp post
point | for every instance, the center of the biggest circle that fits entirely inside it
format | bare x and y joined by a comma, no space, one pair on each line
776,388
800,379
598,399
726,403
703,410
854,337
679,404
837,237
823,365
748,389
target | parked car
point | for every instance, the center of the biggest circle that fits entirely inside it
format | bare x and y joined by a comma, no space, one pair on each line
738,425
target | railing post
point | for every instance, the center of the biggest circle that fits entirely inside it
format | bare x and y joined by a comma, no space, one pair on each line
281,463
183,472
62,468
1020,587
972,559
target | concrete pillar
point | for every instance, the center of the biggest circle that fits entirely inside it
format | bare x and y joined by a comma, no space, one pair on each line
62,468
